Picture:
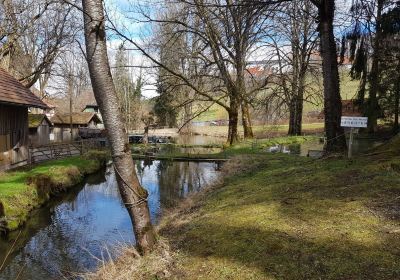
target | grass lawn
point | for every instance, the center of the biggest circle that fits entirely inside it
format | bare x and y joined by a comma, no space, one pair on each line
27,188
260,131
284,217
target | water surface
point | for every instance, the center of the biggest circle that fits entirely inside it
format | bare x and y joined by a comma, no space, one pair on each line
69,235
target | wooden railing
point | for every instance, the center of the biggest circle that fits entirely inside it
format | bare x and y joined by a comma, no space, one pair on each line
62,150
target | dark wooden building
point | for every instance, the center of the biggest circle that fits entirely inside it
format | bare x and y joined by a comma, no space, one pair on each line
61,131
15,99
39,129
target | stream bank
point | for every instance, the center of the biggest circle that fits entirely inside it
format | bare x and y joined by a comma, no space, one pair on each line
276,216
28,188
69,234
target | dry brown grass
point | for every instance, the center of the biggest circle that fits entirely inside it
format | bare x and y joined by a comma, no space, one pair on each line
130,265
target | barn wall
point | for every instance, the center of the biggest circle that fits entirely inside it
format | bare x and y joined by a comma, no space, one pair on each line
13,136
62,133
41,135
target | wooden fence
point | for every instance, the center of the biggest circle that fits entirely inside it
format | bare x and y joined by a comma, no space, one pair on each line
62,150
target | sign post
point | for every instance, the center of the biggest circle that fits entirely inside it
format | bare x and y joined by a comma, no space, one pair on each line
353,122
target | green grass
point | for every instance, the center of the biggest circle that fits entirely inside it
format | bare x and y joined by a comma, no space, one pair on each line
25,189
285,217
260,146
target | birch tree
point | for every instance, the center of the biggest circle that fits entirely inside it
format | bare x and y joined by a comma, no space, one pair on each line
133,194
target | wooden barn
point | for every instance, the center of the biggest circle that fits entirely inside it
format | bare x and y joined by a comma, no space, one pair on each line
15,99
39,129
61,131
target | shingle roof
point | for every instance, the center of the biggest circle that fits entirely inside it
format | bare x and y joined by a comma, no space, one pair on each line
80,118
34,120
13,92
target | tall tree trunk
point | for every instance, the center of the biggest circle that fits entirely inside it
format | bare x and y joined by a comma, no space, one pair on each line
372,104
296,105
336,140
145,139
396,111
133,195
299,103
233,122
397,102
246,121
292,118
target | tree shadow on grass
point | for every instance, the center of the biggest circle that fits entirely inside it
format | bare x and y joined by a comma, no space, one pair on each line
279,255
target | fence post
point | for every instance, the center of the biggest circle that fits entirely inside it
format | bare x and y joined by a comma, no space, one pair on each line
29,156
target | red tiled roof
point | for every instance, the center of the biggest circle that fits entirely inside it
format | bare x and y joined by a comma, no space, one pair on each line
13,92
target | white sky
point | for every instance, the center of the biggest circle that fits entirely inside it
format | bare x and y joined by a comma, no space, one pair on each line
119,11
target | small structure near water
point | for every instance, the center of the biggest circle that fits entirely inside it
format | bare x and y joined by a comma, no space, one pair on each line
15,99
39,129
61,131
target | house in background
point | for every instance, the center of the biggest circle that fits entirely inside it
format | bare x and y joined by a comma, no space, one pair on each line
61,131
39,129
94,108
15,99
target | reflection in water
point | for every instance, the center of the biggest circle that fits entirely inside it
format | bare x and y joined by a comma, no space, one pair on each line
71,232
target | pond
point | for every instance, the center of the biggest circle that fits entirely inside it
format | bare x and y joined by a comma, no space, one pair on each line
66,236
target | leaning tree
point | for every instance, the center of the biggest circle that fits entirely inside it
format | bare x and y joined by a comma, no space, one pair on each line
133,194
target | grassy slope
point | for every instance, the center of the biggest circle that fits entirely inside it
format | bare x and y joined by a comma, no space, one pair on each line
19,194
283,217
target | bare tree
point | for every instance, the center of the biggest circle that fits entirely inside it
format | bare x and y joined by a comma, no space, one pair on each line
295,45
224,34
133,195
32,34
336,140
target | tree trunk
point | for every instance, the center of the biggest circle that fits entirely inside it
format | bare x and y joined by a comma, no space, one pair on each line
372,104
396,112
336,140
292,118
246,121
133,195
233,122
396,106
146,135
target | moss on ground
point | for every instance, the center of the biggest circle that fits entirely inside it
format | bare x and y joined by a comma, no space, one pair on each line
25,189
284,217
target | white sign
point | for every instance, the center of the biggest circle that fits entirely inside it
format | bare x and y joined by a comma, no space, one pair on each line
354,122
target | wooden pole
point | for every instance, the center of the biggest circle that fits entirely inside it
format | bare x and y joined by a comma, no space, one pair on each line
351,142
